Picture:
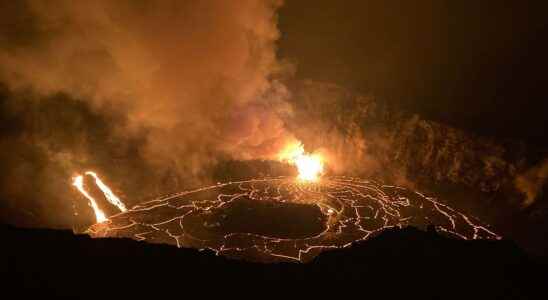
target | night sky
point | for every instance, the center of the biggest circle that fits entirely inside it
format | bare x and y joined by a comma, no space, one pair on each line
478,65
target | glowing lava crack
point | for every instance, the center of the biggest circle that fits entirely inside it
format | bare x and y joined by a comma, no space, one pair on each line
281,219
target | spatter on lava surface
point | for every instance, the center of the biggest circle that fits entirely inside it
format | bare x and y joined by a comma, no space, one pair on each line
281,219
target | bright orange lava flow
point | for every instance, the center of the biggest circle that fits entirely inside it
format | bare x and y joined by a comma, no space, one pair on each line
107,192
310,166
100,216
78,182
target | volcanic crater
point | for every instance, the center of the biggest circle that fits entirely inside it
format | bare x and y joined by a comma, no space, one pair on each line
283,219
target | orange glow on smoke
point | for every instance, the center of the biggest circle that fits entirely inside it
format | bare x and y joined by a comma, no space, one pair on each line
310,166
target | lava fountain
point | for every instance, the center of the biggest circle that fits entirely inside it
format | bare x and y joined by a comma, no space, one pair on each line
310,166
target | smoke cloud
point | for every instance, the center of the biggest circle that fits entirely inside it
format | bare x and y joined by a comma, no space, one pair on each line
340,125
176,85
532,181
187,71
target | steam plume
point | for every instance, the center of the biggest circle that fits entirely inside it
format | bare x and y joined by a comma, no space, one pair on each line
189,71
178,84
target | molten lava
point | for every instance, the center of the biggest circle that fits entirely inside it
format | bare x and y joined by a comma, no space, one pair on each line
310,166
100,216
281,220
107,192
78,182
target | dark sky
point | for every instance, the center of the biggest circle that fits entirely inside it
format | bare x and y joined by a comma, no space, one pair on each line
479,65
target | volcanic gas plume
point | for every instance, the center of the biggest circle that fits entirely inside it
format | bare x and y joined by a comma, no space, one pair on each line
169,88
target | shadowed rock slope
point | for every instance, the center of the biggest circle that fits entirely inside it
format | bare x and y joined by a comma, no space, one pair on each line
400,261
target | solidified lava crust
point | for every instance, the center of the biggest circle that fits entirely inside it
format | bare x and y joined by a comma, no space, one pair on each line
281,219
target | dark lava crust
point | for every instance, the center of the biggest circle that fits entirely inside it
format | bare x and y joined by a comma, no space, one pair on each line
282,220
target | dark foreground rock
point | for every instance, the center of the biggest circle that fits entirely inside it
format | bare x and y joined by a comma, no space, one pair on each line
405,261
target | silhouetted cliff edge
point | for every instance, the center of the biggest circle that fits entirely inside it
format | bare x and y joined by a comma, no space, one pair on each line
43,262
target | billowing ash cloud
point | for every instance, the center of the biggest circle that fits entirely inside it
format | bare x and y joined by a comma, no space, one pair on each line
186,70
178,84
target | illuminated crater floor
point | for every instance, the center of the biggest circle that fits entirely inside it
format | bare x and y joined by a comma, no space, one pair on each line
280,219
